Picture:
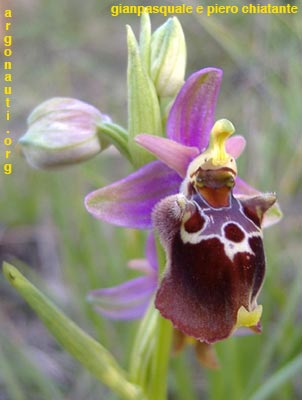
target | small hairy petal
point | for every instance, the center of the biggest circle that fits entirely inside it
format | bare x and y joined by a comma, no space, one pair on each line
129,202
271,216
126,301
235,145
192,115
177,156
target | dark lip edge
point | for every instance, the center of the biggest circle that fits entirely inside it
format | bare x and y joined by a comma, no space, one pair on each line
223,169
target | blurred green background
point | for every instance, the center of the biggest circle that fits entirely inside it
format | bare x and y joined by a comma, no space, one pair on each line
76,49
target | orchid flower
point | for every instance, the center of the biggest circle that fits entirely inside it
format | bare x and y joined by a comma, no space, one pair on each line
130,201
186,190
154,188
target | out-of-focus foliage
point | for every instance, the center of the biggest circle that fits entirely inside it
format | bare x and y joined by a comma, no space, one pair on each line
76,49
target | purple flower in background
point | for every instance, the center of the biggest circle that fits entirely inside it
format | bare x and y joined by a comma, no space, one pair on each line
130,201
130,299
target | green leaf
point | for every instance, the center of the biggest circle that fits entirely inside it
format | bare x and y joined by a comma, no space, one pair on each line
91,354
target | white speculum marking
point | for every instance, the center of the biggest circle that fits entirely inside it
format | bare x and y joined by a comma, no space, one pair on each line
214,227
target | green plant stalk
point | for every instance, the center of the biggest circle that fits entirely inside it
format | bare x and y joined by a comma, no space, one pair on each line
117,136
91,354
157,389
151,354
151,350
143,347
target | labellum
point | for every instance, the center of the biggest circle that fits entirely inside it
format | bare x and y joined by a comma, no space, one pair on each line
213,241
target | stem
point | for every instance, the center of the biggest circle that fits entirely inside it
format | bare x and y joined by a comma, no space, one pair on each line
143,347
151,350
160,362
157,389
117,136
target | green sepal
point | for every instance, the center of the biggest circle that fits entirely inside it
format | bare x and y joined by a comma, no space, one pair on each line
143,105
91,354
115,135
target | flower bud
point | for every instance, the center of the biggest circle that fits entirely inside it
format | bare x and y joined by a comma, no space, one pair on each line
168,58
62,131
143,105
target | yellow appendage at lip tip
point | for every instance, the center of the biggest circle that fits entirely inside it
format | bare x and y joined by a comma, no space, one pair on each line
221,130
248,318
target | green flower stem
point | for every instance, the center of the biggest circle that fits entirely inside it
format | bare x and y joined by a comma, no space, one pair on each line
151,351
157,389
91,354
115,135
143,347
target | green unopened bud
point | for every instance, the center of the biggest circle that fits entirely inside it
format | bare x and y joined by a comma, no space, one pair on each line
168,58
62,131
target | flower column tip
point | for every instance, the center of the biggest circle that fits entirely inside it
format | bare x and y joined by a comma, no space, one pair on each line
221,130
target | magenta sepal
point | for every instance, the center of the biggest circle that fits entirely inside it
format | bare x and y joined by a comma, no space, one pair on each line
129,202
192,115
128,300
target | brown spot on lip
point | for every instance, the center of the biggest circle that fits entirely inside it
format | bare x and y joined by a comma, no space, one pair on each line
195,223
234,233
